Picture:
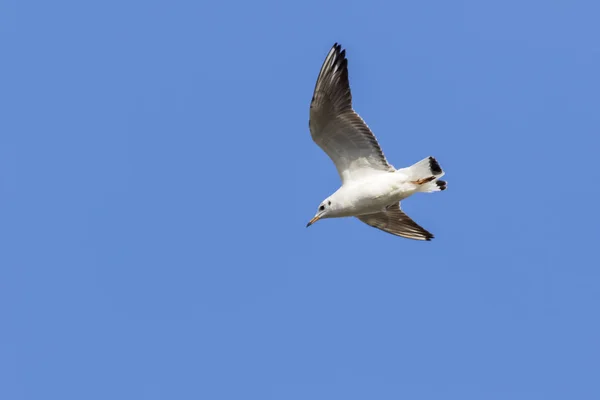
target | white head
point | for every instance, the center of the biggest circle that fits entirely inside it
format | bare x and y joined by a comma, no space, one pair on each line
327,209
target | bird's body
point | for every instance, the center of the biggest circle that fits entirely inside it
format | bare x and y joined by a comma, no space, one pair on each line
372,193
371,188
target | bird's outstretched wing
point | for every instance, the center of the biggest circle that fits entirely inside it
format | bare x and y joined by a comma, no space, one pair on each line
337,128
394,221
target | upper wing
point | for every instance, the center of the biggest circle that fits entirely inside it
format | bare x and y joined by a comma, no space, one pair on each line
336,128
394,221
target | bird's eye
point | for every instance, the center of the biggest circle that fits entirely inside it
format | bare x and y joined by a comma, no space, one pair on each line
329,202
321,208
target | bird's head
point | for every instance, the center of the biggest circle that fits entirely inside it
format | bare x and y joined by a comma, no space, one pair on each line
326,208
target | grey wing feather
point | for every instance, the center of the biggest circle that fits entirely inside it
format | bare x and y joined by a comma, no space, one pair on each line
396,222
336,127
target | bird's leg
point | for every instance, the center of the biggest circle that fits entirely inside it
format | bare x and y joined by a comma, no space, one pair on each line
424,180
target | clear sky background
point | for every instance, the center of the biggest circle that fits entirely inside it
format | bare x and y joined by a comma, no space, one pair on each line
157,173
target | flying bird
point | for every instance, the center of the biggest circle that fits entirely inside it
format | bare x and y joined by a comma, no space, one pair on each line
372,189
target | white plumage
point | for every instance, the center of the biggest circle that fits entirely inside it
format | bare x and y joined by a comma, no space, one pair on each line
371,188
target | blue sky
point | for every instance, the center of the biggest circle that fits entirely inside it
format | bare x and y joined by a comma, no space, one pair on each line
157,173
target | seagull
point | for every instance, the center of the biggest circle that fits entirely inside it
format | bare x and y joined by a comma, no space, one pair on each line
372,189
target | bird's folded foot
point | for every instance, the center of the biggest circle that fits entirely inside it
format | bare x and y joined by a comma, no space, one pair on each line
424,180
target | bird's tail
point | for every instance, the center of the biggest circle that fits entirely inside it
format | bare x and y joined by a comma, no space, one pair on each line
426,174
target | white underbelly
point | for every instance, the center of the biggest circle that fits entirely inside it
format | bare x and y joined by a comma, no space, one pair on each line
373,195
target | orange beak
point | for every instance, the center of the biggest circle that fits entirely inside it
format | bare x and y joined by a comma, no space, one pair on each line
312,221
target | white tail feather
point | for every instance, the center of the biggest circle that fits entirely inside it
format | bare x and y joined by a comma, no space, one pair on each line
426,168
433,186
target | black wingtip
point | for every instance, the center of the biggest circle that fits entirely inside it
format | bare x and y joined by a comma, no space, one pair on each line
434,166
338,49
441,184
